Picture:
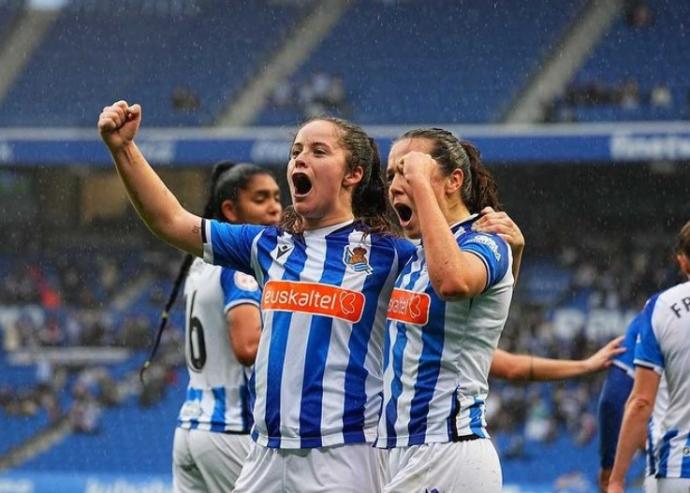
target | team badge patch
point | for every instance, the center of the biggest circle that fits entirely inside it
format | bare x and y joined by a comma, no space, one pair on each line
245,282
357,259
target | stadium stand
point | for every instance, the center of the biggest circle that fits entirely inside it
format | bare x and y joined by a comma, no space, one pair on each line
103,51
638,71
435,71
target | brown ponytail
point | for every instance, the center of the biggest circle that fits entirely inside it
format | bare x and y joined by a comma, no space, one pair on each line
484,189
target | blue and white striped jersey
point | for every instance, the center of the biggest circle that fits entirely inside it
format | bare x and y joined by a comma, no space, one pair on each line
217,394
438,353
664,346
318,377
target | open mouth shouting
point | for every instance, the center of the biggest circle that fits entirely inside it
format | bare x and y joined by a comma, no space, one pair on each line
404,212
301,184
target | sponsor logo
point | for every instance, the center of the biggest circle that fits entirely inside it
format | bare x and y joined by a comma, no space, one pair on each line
313,298
409,307
243,281
642,147
357,259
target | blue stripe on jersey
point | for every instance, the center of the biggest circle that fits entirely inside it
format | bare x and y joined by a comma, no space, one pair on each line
476,414
218,417
266,244
358,345
194,395
317,349
247,403
428,369
396,384
685,464
664,452
276,350
452,419
651,463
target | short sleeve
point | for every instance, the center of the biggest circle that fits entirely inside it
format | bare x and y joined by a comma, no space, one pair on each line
626,361
229,245
492,250
647,350
238,288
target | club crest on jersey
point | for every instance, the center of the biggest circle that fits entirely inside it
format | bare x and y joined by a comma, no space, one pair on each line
356,258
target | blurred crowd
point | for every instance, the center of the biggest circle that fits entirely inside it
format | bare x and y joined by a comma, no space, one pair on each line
611,273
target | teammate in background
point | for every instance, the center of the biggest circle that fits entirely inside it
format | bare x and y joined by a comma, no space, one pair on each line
445,317
221,338
663,347
614,394
326,275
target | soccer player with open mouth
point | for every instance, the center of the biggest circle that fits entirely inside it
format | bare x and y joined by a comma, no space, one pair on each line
327,273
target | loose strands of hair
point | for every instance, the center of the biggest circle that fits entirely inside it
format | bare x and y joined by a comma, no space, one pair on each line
683,241
181,274
479,188
369,204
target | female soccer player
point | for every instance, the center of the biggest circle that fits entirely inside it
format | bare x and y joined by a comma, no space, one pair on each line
221,338
663,348
326,273
446,314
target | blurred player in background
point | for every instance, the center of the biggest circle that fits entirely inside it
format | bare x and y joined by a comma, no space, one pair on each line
445,317
663,348
221,338
326,275
614,394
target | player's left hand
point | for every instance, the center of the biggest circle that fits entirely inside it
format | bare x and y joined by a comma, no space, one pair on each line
501,224
604,357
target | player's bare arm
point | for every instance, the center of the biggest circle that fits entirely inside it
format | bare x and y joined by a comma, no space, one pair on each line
638,409
510,366
244,327
118,125
452,272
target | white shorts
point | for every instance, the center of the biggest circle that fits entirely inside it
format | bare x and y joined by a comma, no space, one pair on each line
355,468
650,484
205,461
673,485
446,467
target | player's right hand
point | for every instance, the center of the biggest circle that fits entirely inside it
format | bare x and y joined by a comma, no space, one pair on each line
118,124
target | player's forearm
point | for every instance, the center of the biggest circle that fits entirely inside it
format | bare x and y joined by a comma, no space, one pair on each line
445,263
632,434
154,202
524,367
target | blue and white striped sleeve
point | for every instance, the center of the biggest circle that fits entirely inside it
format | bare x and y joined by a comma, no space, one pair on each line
492,250
229,245
647,350
238,289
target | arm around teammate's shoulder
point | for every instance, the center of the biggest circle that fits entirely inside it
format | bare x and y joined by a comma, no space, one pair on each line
118,124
